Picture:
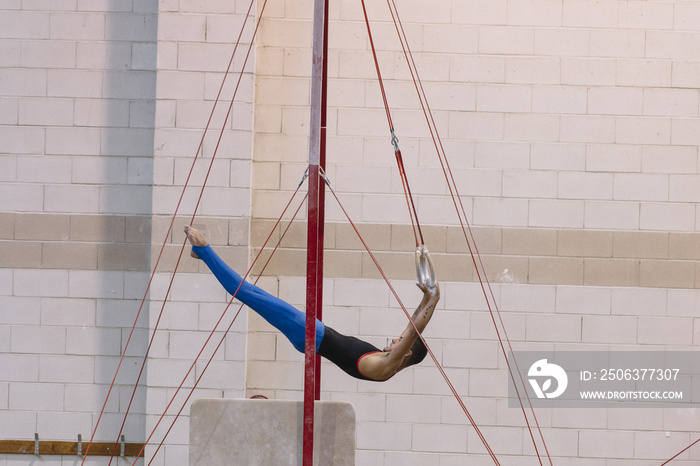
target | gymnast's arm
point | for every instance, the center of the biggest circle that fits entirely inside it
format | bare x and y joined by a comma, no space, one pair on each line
419,321
381,366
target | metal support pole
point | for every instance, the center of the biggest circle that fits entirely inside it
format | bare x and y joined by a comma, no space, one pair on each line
322,191
315,219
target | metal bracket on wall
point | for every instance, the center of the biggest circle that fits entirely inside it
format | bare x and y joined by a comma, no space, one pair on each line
54,447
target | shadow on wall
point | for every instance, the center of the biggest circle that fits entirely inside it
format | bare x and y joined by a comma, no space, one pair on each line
126,192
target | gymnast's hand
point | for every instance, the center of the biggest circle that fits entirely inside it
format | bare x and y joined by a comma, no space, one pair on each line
425,272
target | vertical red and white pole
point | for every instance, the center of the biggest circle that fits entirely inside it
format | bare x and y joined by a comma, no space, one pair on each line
316,220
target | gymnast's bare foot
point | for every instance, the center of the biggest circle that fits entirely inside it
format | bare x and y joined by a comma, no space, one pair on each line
195,238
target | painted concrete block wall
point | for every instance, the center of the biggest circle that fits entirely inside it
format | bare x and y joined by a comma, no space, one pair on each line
89,94
569,125
572,129
569,151
204,118
76,141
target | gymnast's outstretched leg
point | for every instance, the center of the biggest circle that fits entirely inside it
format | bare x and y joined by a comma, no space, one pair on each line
281,315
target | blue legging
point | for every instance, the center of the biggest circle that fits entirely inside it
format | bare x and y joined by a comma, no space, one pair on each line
281,315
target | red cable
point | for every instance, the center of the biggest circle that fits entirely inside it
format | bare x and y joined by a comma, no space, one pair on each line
155,268
441,153
406,189
409,199
397,152
422,99
400,160
215,328
679,453
215,152
197,153
437,363
376,66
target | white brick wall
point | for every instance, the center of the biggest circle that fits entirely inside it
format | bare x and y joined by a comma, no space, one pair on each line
562,114
67,106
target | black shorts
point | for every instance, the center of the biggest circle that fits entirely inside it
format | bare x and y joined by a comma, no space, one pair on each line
345,352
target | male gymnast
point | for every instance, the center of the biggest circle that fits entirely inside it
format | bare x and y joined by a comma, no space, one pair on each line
357,358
